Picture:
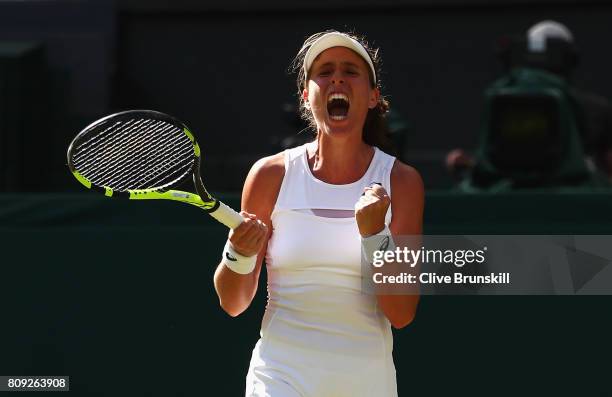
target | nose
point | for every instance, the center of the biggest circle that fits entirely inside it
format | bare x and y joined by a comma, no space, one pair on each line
337,78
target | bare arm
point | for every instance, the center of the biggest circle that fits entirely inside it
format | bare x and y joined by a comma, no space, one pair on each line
236,291
407,208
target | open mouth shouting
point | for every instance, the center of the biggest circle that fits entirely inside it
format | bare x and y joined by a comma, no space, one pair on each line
338,106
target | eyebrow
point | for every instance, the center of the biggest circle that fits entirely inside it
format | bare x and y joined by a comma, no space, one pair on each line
345,63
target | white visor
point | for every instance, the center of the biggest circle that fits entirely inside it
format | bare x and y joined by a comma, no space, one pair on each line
336,39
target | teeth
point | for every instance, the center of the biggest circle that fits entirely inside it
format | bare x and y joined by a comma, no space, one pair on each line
337,95
337,118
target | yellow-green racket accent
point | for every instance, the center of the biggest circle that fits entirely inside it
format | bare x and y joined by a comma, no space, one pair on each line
176,195
81,179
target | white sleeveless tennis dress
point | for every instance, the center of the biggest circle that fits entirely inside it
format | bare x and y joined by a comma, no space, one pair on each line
320,335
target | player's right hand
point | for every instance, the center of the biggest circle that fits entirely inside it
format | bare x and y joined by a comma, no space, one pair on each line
248,238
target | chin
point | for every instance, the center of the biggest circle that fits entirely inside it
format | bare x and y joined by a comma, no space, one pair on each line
345,126
342,128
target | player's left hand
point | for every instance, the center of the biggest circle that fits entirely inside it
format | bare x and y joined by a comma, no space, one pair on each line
371,209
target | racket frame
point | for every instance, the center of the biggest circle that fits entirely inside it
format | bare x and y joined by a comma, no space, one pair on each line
201,199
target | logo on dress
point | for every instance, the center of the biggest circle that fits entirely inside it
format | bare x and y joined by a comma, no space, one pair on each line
384,244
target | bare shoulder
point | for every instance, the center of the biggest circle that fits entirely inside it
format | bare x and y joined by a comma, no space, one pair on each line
263,184
405,179
270,167
407,199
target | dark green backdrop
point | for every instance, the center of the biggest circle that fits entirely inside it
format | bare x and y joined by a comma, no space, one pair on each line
118,295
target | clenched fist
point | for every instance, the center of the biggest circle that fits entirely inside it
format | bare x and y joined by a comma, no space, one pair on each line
371,209
248,238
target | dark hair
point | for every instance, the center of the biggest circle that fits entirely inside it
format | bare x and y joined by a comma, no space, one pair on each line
375,129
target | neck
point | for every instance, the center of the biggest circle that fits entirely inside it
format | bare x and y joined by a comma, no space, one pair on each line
339,161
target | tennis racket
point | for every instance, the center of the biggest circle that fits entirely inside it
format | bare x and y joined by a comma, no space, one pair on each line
143,155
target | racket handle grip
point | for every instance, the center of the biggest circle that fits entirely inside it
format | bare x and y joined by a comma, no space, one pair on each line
227,216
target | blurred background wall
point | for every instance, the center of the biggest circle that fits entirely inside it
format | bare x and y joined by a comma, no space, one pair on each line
57,64
223,68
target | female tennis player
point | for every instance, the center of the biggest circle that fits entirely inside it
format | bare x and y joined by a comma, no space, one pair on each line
306,211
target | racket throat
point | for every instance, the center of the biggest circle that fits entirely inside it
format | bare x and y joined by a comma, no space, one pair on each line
211,204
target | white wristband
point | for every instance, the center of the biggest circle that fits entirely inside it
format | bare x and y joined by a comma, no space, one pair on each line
237,263
381,241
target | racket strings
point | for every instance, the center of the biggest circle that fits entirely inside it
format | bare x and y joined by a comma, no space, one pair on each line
121,176
113,151
104,155
156,173
167,168
124,152
135,154
166,171
94,141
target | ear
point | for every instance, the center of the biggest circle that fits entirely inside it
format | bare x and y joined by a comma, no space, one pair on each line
305,98
374,97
